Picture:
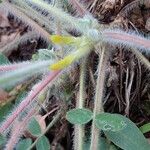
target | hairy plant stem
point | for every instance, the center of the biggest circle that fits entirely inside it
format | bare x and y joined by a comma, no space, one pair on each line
82,81
128,39
57,13
42,20
18,129
79,129
11,67
23,73
30,98
18,14
47,129
98,104
25,64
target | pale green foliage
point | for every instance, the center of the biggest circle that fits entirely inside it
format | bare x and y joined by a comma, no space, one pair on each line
79,116
145,128
34,128
129,137
110,122
24,144
43,143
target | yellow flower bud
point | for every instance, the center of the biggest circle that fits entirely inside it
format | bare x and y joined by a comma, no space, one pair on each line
83,45
63,63
62,40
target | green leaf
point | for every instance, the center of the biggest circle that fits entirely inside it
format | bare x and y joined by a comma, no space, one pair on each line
145,128
3,59
34,127
2,139
43,143
44,54
20,97
107,122
5,110
24,144
129,137
79,116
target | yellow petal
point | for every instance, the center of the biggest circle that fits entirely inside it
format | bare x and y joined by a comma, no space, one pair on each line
63,63
58,39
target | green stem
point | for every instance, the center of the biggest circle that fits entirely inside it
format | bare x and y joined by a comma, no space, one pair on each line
47,129
79,129
98,104
82,81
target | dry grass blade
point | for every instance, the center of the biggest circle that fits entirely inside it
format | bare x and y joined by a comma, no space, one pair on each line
128,8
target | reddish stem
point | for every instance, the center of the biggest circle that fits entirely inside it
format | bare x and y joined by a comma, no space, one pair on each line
128,39
30,98
18,130
12,66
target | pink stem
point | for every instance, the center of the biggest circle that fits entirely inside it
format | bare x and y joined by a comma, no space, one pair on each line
38,88
18,130
128,39
12,66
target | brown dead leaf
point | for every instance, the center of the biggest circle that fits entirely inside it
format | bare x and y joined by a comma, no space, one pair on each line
5,39
107,9
41,119
146,3
147,26
3,95
4,20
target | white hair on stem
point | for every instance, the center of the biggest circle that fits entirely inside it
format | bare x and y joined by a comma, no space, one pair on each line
9,67
18,14
18,130
128,39
20,74
56,13
42,20
30,98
